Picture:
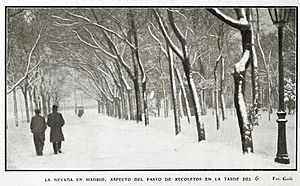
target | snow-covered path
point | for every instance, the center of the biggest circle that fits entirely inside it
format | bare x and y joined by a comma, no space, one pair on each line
98,142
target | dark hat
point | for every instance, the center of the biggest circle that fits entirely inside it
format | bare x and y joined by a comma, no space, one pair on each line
54,106
37,111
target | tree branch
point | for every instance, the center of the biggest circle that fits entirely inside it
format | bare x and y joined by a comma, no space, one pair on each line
157,40
100,26
239,24
166,35
28,63
241,65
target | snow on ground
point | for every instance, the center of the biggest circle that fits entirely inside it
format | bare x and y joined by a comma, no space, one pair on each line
98,142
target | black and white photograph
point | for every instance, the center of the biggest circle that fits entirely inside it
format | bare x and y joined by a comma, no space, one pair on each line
137,95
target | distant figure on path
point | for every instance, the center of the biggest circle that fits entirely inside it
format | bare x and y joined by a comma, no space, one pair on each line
80,112
38,127
55,121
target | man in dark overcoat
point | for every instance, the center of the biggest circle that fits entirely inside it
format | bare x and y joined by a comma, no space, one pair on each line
38,127
55,121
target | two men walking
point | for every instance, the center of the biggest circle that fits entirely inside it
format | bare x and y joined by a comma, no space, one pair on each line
38,126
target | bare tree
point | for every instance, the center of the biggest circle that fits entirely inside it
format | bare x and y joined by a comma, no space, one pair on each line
244,24
184,57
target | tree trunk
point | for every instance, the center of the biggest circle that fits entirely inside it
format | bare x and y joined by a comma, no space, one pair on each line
137,100
146,112
180,103
255,95
269,100
167,105
254,71
131,106
44,105
216,95
99,106
163,75
164,99
267,66
124,101
213,101
31,102
262,96
233,110
119,107
173,91
75,101
244,24
222,77
114,109
187,106
49,103
137,91
196,105
203,101
107,108
15,108
158,105
24,91
221,96
35,99
240,105
144,77
136,74
246,123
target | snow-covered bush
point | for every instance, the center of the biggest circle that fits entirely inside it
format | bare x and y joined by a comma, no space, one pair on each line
290,95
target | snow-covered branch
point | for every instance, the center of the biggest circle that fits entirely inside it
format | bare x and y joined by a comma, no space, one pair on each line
85,61
120,58
83,41
176,30
166,35
97,85
100,26
107,68
241,65
136,51
61,18
157,40
228,20
87,90
151,68
35,80
195,57
28,64
92,45
109,88
197,73
125,82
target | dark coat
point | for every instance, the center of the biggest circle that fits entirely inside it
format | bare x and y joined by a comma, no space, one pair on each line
56,121
38,124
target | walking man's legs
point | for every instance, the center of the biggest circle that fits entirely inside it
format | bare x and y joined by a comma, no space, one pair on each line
54,147
59,147
41,143
36,143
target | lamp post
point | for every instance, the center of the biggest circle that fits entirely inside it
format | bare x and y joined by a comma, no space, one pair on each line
280,17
